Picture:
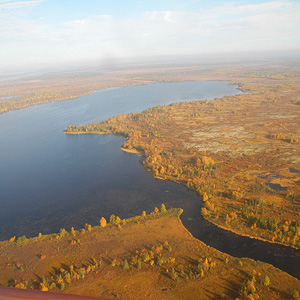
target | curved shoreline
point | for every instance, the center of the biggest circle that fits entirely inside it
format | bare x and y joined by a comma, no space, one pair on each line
250,236
139,153
90,91
258,239
214,223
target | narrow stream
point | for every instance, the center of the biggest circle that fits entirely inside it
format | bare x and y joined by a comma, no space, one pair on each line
282,257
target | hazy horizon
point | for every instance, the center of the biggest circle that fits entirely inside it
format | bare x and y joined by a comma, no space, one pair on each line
45,35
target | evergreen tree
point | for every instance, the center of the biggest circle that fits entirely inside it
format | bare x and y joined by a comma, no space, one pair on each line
112,220
125,265
139,264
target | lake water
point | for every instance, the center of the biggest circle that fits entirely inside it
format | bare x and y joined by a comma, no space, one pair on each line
50,180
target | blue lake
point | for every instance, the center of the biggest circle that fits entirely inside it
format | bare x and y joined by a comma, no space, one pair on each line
50,180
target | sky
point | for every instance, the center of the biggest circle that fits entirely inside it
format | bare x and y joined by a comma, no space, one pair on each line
42,33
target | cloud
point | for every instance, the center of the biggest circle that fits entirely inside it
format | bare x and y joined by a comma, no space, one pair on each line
232,27
19,4
232,8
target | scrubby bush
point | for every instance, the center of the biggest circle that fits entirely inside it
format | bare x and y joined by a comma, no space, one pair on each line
22,241
62,232
88,227
125,264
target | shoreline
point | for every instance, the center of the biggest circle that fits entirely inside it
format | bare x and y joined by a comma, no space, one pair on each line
218,225
157,177
190,236
139,153
85,93
134,151
249,236
91,132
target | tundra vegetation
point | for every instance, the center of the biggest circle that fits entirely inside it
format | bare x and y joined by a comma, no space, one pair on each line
114,261
240,153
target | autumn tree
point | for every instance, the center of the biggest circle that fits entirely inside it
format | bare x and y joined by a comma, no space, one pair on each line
117,220
12,239
88,227
205,197
112,219
266,281
102,222
62,232
163,208
72,230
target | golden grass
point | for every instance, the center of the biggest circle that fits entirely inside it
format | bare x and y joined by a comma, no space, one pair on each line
225,278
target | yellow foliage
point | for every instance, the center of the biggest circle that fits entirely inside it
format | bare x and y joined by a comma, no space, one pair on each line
102,222
205,197
43,288
12,239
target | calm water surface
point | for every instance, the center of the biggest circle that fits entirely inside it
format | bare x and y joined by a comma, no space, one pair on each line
50,180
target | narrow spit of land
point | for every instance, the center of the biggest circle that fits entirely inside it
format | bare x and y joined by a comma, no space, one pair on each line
112,260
